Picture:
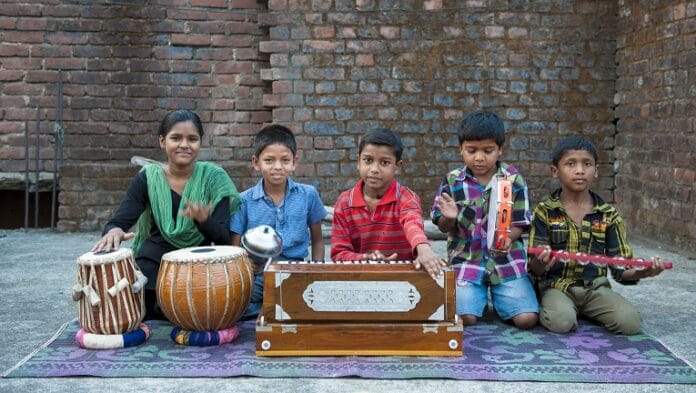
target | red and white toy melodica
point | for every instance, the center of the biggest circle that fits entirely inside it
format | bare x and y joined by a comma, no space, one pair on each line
598,259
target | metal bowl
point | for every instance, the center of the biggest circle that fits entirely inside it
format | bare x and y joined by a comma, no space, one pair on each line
262,242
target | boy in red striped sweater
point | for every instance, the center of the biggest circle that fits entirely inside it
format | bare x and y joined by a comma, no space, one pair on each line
379,219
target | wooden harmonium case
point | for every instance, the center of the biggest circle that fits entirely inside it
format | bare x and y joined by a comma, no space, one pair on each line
361,291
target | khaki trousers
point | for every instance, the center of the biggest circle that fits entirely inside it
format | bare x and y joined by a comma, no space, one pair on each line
560,310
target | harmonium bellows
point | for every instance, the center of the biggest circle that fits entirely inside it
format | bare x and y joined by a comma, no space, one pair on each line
357,308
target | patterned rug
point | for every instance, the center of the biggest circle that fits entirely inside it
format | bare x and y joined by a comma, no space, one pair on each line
492,351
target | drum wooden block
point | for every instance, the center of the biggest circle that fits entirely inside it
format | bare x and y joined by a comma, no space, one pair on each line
356,291
205,288
365,339
109,292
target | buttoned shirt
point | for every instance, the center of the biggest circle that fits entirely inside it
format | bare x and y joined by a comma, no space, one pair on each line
301,207
395,226
467,245
602,231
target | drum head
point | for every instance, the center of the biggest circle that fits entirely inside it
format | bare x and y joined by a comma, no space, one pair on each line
204,253
101,257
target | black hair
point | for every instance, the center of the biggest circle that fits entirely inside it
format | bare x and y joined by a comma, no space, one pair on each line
482,125
178,116
573,142
382,137
273,134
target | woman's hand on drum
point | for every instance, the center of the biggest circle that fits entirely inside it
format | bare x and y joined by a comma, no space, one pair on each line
197,212
112,240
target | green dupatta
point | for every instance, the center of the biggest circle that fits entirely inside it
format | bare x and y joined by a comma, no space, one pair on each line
208,184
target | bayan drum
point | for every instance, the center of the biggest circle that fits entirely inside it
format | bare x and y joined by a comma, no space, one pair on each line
205,289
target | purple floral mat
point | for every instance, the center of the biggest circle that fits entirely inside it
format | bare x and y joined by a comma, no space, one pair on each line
492,351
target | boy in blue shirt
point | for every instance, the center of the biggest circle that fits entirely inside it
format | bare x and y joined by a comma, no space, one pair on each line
288,207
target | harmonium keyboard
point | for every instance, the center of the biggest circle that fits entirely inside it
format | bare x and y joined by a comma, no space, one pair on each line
357,308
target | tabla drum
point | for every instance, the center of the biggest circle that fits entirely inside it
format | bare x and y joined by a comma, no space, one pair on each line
205,288
109,290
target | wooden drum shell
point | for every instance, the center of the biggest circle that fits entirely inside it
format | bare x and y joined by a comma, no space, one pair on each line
116,314
203,290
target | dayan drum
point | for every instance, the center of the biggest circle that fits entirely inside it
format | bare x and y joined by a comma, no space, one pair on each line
109,291
499,214
205,288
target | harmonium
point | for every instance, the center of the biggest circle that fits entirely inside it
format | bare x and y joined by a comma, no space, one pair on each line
379,308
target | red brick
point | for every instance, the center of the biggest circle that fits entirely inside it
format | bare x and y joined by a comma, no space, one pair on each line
244,129
277,5
66,38
186,14
11,75
209,3
261,117
23,36
233,67
15,10
280,87
282,114
21,63
278,46
190,39
242,28
242,4
231,41
65,63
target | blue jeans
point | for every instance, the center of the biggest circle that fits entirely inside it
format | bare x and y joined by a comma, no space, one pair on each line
510,298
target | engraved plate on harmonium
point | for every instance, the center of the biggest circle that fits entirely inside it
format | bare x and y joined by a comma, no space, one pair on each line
356,291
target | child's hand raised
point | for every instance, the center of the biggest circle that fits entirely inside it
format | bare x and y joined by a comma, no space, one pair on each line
448,208
197,212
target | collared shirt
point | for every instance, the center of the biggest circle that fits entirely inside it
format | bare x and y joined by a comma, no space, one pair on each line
602,232
467,244
300,208
395,226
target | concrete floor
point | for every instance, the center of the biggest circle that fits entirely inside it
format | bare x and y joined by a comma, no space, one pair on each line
38,270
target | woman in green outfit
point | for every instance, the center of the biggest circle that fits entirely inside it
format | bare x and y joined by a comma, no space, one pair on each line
181,203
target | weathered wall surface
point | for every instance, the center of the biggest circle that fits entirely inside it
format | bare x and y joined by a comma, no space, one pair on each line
124,66
334,69
656,112
340,68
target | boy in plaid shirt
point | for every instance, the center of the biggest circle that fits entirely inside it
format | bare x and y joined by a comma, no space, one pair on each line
576,219
461,210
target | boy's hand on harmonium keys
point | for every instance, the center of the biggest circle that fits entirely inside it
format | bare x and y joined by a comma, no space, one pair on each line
432,263
378,256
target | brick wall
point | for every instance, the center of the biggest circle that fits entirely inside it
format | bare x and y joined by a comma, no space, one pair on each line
340,68
656,112
334,69
124,66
